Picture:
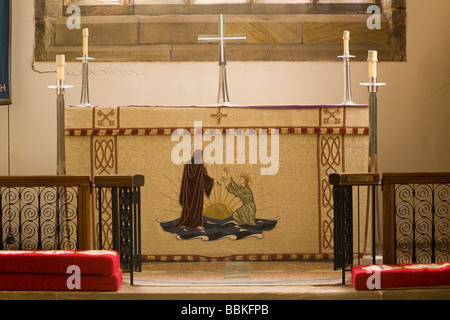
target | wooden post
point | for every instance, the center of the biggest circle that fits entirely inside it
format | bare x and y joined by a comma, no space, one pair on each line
388,222
84,218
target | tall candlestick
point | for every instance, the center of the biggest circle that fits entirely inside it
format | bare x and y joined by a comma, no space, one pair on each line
373,86
60,106
85,77
60,63
373,58
346,57
346,38
85,41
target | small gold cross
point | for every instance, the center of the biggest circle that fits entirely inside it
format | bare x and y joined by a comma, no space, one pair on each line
219,115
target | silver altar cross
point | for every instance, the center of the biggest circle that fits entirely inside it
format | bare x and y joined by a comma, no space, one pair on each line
222,38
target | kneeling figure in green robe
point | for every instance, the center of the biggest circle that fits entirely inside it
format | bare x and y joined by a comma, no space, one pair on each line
245,214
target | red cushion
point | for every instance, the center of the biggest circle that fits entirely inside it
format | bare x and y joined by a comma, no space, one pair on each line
369,277
58,282
57,262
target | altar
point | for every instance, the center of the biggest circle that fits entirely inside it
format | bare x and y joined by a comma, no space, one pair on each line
283,153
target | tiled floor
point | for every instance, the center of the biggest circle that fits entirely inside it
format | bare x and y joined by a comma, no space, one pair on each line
238,273
255,280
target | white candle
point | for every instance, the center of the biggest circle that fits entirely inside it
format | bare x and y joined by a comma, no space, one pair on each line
85,41
60,63
373,58
346,38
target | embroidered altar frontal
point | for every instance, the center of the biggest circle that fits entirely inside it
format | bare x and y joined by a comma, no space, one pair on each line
260,185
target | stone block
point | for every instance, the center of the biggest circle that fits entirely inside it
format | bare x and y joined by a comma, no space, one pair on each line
106,30
210,52
248,52
114,53
399,3
303,52
195,52
268,32
325,52
174,32
398,17
331,32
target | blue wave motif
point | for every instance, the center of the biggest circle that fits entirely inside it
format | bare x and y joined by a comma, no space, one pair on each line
221,229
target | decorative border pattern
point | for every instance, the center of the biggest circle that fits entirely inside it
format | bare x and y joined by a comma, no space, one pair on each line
169,131
331,160
103,161
241,257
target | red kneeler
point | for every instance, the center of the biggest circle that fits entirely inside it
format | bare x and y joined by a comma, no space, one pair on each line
383,276
94,270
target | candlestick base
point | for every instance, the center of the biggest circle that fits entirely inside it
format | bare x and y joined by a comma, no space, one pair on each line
223,97
85,101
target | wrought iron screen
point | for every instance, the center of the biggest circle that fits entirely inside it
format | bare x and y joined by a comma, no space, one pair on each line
422,222
39,218
119,218
44,212
343,227
416,217
347,217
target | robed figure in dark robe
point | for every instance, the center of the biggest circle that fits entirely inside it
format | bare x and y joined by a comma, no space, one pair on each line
195,184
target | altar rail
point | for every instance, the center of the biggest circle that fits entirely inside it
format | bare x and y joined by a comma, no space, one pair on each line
416,216
125,217
54,213
343,191
45,212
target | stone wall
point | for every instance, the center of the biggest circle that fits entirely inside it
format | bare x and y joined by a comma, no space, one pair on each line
118,33
395,13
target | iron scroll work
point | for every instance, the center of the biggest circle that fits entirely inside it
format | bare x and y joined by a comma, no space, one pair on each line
5,52
125,218
50,213
38,218
422,223
416,217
